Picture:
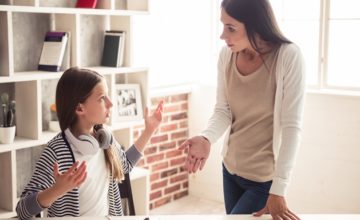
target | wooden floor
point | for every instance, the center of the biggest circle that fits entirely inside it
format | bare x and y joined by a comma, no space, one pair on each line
190,205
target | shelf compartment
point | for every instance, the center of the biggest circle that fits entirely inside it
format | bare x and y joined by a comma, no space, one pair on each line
28,42
28,109
61,10
7,181
48,91
25,166
45,75
6,63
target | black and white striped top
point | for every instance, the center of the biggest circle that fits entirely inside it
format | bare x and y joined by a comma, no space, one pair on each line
58,150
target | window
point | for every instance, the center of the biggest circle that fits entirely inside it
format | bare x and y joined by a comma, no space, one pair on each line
327,32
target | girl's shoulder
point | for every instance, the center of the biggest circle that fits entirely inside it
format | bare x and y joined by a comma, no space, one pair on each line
58,143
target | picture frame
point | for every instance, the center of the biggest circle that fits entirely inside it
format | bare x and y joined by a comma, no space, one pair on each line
127,103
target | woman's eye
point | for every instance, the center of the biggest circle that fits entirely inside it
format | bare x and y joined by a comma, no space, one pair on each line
231,29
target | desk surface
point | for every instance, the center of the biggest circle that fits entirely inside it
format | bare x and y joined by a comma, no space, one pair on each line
212,217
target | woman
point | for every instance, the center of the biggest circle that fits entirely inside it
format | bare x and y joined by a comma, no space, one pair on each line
259,102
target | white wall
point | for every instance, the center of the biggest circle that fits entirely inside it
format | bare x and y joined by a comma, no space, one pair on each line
327,174
175,40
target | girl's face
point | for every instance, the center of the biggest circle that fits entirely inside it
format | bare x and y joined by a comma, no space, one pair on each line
234,33
96,108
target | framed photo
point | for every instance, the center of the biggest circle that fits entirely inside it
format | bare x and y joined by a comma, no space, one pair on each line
127,102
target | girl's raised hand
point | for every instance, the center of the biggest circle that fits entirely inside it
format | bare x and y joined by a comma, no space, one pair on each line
152,122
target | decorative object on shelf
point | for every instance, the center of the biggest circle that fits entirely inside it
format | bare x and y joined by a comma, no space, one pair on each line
7,129
113,52
128,104
86,3
54,122
53,51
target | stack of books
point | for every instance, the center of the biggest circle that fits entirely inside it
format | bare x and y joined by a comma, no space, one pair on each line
53,51
113,52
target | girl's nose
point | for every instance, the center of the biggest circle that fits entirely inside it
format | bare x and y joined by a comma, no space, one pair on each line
109,104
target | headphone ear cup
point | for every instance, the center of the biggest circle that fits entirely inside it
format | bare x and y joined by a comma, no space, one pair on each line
104,138
90,140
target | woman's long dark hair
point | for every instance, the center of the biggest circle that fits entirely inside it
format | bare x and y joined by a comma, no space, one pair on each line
74,87
259,20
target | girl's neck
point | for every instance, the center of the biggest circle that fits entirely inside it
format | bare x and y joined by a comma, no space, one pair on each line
79,129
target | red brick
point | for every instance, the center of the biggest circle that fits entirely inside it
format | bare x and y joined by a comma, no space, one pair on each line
181,194
177,161
179,142
178,178
170,127
165,119
167,146
173,153
184,124
155,195
157,139
155,101
169,173
181,97
160,184
178,116
141,163
160,166
162,201
154,177
151,206
184,106
172,189
150,150
154,158
172,108
180,134
185,184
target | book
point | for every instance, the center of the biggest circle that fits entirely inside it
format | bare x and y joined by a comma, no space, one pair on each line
113,52
86,3
53,50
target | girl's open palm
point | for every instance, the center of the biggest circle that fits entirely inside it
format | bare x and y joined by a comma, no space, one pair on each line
152,122
73,177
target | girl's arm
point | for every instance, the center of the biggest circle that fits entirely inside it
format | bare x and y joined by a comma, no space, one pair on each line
151,124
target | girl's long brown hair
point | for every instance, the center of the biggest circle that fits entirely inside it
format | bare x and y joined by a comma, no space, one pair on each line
74,87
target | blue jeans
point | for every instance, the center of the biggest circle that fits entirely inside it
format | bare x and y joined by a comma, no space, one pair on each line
243,196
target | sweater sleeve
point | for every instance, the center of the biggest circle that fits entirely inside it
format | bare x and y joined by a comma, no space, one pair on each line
42,179
221,116
128,158
291,117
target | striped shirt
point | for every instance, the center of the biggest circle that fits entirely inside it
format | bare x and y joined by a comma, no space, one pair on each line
58,150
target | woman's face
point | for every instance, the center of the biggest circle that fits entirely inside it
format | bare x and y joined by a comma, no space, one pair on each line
234,33
96,108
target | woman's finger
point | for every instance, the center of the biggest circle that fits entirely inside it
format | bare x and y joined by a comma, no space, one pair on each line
196,165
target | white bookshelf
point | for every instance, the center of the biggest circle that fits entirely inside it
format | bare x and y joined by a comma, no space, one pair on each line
22,29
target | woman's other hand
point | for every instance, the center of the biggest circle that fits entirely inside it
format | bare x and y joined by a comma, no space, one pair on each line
198,152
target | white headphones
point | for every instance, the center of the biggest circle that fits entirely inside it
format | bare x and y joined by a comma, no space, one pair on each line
88,144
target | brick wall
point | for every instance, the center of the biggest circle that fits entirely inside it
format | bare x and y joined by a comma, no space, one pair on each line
168,178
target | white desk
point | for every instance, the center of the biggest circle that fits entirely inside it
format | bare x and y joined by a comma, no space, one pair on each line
210,217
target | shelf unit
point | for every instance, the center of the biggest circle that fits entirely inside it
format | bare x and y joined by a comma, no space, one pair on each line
22,28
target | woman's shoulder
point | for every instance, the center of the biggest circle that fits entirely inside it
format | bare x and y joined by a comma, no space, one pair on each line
289,49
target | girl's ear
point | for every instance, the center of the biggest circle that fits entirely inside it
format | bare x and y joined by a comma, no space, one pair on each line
79,109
